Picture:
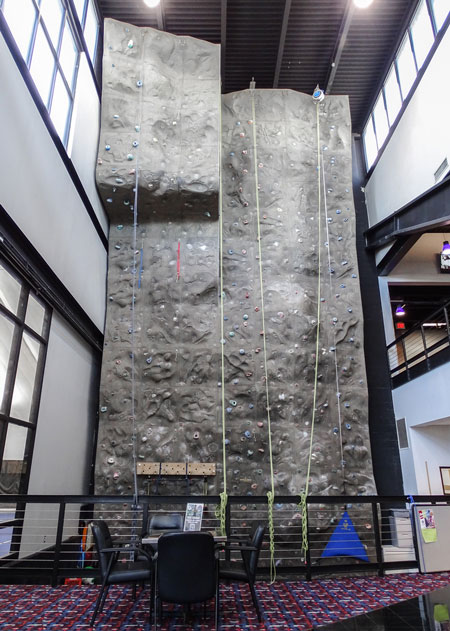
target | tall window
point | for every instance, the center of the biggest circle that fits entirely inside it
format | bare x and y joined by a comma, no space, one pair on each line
428,19
24,326
46,34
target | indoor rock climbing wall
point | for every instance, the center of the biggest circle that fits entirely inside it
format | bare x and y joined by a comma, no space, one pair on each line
288,228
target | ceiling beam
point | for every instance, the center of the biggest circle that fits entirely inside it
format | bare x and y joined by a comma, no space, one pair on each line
223,38
341,39
160,18
284,25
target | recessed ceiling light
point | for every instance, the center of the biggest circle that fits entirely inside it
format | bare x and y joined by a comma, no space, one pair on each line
362,4
152,3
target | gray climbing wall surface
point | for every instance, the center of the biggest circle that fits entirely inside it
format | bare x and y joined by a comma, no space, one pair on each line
287,228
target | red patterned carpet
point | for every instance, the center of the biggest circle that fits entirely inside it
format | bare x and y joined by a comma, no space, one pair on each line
287,605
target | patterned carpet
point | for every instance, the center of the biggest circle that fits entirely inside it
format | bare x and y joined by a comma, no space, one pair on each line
287,605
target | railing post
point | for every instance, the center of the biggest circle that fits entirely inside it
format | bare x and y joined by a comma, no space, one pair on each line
59,535
308,551
228,528
447,323
424,342
378,546
406,358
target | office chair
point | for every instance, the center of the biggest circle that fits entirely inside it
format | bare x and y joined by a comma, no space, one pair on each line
112,570
246,571
186,570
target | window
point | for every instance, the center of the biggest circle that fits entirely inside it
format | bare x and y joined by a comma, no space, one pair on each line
392,95
370,143
24,326
43,31
401,76
422,34
441,9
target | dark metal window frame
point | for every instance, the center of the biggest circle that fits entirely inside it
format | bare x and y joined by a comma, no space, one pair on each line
69,17
20,327
437,34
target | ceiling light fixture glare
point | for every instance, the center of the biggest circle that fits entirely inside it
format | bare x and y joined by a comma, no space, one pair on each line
151,3
362,4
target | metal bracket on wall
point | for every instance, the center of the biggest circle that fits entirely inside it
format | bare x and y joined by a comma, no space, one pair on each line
176,468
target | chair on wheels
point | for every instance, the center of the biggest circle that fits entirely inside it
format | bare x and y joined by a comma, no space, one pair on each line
187,570
113,570
245,571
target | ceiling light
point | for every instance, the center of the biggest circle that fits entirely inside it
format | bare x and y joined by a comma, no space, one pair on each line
152,3
362,4
446,247
400,311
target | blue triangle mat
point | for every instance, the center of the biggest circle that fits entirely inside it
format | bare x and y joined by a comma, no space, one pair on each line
345,541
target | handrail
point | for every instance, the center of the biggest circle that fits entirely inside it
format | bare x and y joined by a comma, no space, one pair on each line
417,326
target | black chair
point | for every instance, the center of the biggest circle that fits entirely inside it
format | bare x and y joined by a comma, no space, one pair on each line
187,570
113,570
245,571
171,521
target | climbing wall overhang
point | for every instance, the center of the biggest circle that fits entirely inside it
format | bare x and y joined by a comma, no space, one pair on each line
218,279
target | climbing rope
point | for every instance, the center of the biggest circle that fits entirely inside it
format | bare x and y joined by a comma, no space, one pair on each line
271,493
221,513
134,273
304,494
334,329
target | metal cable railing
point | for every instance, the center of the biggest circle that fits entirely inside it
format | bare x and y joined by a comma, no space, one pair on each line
419,344
44,538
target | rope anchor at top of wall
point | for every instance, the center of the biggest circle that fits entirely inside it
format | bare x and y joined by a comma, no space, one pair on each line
318,95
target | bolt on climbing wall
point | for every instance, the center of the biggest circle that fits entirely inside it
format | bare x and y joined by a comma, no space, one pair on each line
282,249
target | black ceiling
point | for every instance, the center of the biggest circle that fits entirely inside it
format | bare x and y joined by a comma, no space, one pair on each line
287,43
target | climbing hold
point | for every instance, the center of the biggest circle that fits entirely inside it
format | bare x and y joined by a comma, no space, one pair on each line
245,316
233,403
107,147
130,156
247,433
229,410
241,351
196,435
135,143
231,333
353,275
348,426
139,83
110,460
103,408
149,360
349,309
130,44
251,406
256,308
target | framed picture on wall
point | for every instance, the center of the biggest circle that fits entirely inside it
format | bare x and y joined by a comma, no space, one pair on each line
445,477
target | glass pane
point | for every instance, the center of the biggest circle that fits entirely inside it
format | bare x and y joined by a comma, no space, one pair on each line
25,378
381,122
42,65
13,464
20,15
79,7
90,30
35,314
52,13
6,338
9,291
440,10
422,34
60,107
392,94
406,67
68,54
370,144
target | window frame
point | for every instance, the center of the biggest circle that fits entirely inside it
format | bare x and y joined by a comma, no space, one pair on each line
70,21
393,66
20,327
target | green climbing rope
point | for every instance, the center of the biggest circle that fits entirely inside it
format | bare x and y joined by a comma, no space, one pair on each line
221,513
271,493
304,494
